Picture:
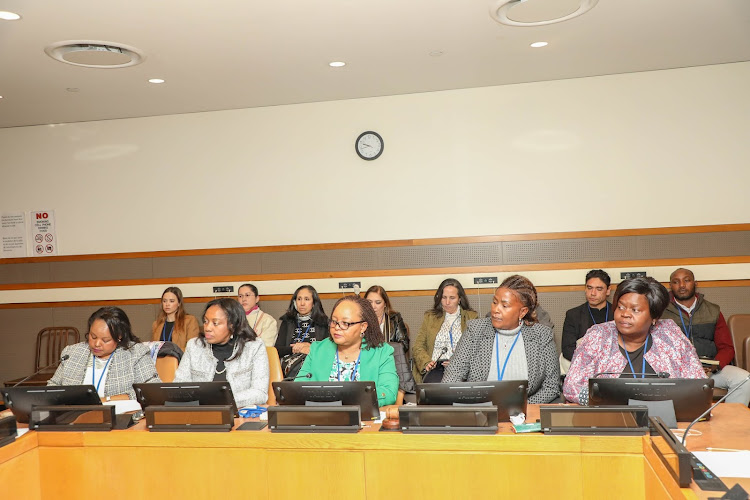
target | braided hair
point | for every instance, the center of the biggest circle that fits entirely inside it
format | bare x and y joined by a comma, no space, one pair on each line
372,335
526,293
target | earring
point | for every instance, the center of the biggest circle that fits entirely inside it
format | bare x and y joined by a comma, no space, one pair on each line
520,321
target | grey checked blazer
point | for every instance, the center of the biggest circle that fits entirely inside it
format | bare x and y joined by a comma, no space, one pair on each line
472,359
247,376
128,367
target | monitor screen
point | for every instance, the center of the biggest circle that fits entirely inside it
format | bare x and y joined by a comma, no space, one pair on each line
690,396
20,400
185,394
510,396
362,394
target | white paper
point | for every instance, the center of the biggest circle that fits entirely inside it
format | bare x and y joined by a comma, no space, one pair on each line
124,406
21,431
43,233
726,463
12,235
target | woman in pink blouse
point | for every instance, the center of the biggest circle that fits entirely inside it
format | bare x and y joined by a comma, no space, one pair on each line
636,344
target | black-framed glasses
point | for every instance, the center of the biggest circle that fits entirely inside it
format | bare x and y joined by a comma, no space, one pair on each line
344,325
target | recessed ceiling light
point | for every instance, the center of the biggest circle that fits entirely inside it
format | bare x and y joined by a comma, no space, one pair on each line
337,64
72,89
1,97
9,16
536,45
436,53
156,80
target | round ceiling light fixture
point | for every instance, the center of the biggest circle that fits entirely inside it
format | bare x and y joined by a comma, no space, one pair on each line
500,10
95,54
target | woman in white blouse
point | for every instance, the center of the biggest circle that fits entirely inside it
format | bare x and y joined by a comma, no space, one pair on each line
441,330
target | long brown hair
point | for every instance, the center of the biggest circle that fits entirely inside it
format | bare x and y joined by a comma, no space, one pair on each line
463,300
179,317
386,311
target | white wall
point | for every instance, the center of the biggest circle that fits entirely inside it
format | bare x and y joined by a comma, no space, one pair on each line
666,148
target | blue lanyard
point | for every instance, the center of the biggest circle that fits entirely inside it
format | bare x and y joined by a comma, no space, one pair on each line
450,330
643,366
354,372
93,370
606,315
688,330
497,354
299,339
163,329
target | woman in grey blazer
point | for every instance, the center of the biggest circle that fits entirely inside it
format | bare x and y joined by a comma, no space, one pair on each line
509,345
112,359
227,349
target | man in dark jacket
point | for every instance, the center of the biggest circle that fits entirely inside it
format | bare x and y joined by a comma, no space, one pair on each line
595,310
703,324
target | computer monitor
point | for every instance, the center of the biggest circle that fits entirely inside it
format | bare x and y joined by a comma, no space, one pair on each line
510,396
22,399
363,394
691,396
185,394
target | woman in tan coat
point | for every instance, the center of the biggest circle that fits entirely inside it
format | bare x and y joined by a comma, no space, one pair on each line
173,325
441,330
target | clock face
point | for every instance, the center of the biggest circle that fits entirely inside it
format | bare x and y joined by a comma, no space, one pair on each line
369,145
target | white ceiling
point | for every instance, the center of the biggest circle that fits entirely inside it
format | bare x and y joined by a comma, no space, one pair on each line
246,53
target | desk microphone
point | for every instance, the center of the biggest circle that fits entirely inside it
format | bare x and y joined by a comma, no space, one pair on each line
63,358
684,436
290,379
443,351
657,374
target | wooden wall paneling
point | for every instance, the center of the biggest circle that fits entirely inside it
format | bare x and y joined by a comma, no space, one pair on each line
34,272
95,270
18,331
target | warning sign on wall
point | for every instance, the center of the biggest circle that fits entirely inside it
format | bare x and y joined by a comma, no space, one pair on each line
13,235
43,233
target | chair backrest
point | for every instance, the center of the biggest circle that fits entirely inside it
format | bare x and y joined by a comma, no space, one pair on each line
51,341
746,351
739,326
166,367
274,372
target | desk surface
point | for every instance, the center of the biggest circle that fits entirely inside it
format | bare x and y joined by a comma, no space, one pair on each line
430,466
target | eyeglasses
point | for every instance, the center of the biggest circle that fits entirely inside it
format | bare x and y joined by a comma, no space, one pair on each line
344,325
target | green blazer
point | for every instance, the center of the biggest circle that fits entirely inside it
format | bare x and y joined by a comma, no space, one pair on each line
375,364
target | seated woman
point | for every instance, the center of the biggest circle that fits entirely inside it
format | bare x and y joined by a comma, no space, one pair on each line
636,343
263,324
441,330
354,351
510,345
227,349
303,323
391,323
112,359
173,324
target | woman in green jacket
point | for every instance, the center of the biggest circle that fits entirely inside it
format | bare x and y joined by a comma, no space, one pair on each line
441,330
355,350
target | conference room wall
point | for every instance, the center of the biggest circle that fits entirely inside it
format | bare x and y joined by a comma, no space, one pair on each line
19,325
662,148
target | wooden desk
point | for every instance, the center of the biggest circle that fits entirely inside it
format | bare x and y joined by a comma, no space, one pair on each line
39,379
371,464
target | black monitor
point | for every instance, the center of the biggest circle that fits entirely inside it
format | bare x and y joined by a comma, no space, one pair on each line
20,400
362,394
185,394
510,396
691,396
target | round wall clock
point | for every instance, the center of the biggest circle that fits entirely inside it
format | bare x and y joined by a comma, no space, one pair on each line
369,145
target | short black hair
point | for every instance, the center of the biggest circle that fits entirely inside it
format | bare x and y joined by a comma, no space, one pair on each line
117,323
655,292
236,322
599,273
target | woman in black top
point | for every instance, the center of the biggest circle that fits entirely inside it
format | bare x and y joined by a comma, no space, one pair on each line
303,323
391,322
